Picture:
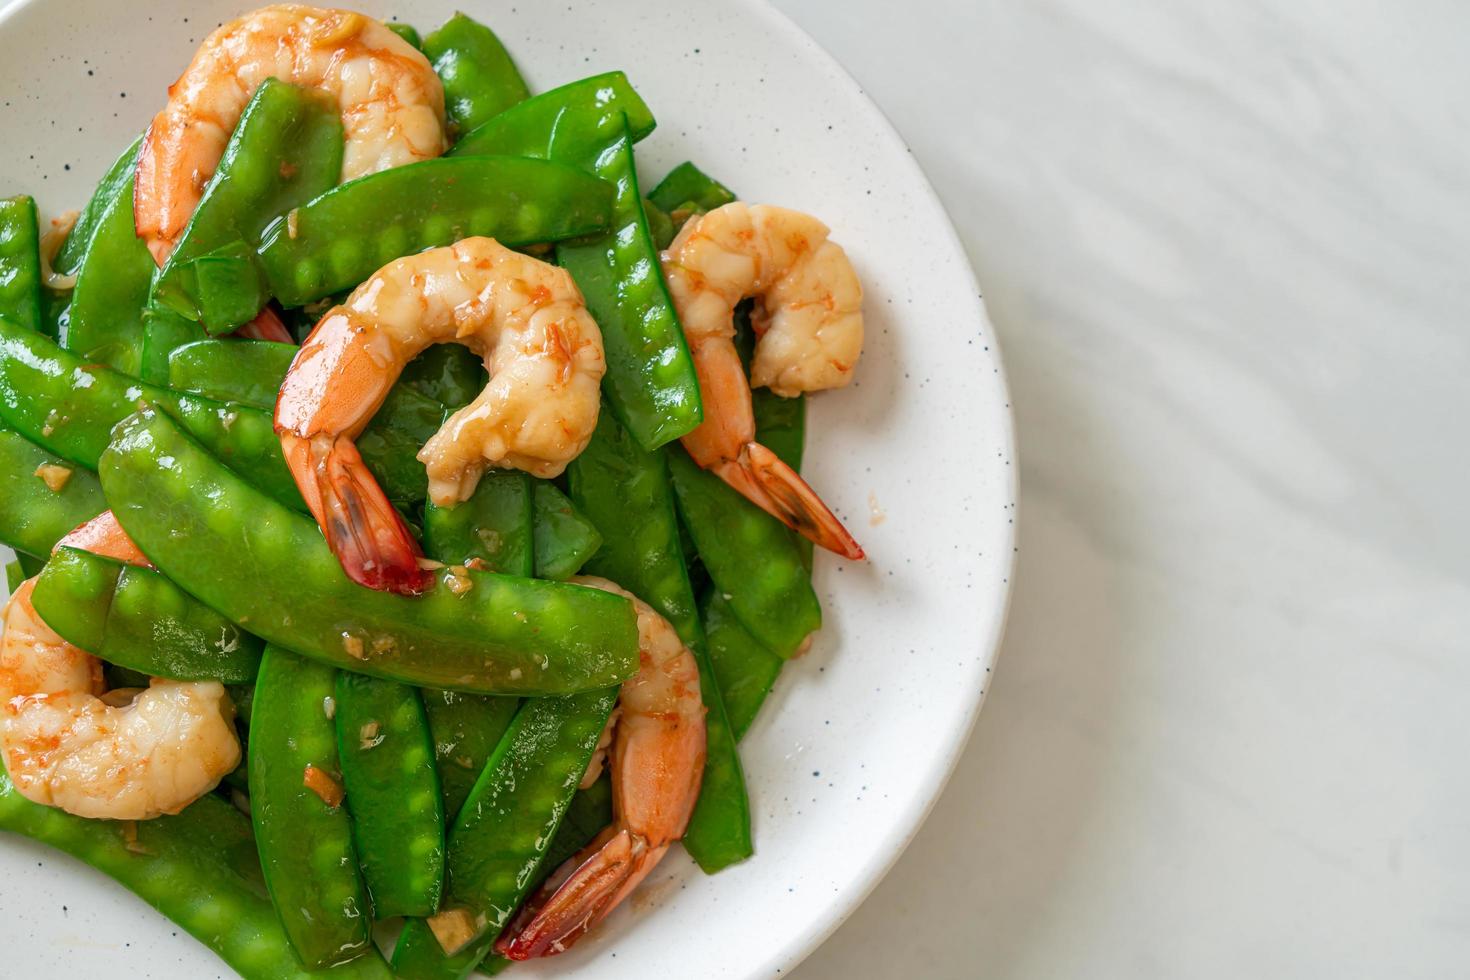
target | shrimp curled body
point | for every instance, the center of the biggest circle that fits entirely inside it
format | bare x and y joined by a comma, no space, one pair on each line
809,333
392,104
67,745
657,764
544,354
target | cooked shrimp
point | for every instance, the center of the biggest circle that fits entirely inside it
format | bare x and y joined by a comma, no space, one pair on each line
544,354
657,764
103,535
391,100
124,755
809,332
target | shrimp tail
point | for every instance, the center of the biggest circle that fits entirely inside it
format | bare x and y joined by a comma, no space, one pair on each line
365,532
103,535
267,325
764,480
579,895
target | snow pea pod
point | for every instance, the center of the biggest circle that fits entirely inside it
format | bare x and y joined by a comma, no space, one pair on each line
244,371
68,258
106,320
346,234
41,496
198,868
164,332
448,373
502,833
474,631
390,443
590,105
20,262
480,79
56,400
563,536
494,526
751,557
302,832
286,150
406,31
743,667
55,311
14,575
392,792
689,190
136,618
466,728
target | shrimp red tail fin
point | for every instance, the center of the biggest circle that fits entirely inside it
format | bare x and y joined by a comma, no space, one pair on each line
579,895
366,534
777,489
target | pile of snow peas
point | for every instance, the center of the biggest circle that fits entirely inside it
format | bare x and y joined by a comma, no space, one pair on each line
456,726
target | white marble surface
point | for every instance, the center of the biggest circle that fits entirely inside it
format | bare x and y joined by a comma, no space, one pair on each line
1225,247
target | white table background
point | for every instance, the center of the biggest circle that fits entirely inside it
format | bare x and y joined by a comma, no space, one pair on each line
1227,251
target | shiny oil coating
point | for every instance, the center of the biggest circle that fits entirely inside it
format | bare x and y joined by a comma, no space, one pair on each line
391,100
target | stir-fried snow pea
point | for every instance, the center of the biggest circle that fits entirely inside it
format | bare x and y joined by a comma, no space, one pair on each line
346,234
474,631
406,31
744,668
589,105
244,371
286,149
494,525
199,869
55,311
466,728
502,833
390,443
106,319
448,373
392,792
20,262
164,332
58,401
30,564
750,555
301,829
625,491
137,618
688,189
563,536
68,258
480,80
41,496
660,225
14,575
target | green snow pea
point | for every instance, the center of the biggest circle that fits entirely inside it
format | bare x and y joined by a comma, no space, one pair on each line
137,618
448,373
286,149
346,234
392,792
502,833
302,831
106,318
198,868
68,259
33,517
625,491
660,225
164,332
480,80
752,557
780,423
563,536
407,32
474,631
14,575
30,565
689,190
390,443
244,371
743,667
55,311
589,105
56,400
466,728
20,262
494,525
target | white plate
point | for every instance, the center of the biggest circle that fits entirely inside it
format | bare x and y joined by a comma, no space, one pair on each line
917,456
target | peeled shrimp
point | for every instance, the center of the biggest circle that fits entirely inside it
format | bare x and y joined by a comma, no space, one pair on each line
809,332
544,354
391,100
68,744
657,763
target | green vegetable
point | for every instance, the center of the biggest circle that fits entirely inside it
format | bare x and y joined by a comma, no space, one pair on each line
448,373
589,105
564,537
744,669
405,31
660,225
474,631
106,319
690,190
137,618
625,491
164,332
33,517
20,262
55,311
14,575
73,249
390,443
286,150
198,868
345,235
494,525
30,565
466,728
480,80
750,555
301,829
393,793
244,371
503,831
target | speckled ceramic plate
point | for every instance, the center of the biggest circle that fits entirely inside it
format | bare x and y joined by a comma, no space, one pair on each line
858,739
